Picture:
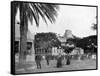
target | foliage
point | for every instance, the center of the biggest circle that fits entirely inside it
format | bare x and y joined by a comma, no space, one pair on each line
94,27
88,43
36,10
46,40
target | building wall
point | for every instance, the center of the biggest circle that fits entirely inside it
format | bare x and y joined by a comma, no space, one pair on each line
30,38
56,51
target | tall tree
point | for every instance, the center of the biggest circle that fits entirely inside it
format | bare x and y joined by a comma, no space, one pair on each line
28,12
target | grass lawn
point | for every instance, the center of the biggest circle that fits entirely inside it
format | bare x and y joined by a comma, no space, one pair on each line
30,67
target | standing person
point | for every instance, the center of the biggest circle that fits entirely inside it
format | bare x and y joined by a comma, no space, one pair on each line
47,56
38,59
47,59
68,60
59,61
67,56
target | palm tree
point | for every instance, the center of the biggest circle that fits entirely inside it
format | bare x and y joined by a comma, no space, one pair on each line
28,12
94,27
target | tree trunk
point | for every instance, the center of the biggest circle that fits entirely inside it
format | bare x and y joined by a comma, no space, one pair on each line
23,35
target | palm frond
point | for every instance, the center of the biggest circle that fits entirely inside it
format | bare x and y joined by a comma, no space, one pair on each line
48,12
45,10
34,13
37,10
94,27
40,12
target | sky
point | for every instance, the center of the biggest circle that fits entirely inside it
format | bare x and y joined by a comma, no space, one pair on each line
78,19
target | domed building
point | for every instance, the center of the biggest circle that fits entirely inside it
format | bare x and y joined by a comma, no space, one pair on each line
68,34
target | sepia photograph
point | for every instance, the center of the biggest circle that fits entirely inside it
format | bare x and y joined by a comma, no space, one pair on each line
53,37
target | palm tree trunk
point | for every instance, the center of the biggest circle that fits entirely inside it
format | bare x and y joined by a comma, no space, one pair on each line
23,35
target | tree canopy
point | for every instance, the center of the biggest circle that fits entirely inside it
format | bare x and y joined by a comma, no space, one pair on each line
88,43
45,40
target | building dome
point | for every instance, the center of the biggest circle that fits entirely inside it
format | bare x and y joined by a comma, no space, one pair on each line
68,34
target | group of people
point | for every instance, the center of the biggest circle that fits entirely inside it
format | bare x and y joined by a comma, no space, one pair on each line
59,56
38,59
